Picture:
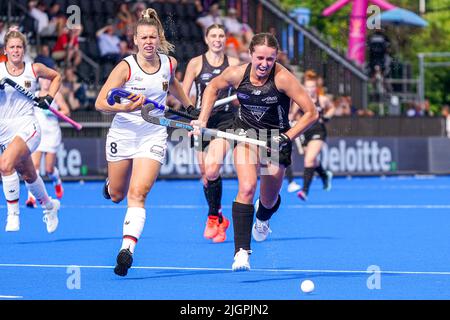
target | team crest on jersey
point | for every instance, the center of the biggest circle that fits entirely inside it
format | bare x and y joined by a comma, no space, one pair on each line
257,111
27,84
165,85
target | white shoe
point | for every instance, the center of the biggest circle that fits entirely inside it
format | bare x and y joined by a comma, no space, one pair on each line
241,260
327,182
12,222
260,230
293,186
51,216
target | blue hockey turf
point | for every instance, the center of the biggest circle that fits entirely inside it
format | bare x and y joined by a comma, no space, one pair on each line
368,238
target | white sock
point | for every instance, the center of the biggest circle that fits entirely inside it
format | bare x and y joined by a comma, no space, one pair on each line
132,227
30,195
38,190
11,190
55,176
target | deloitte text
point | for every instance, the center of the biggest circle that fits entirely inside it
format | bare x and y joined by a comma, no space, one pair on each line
363,156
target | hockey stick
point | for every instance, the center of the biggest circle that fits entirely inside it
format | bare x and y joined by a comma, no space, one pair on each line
31,96
223,101
118,92
205,131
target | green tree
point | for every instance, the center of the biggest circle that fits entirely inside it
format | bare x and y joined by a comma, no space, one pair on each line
406,41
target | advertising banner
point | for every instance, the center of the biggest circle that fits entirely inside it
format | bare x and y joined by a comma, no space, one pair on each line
85,157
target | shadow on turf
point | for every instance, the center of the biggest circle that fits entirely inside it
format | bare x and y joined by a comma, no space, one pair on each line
175,273
301,239
309,275
71,240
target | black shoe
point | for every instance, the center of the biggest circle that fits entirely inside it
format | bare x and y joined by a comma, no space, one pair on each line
124,262
105,190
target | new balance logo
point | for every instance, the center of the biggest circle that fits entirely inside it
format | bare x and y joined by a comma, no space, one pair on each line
127,223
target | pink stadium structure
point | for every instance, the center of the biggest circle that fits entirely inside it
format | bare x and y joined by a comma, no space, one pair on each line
358,18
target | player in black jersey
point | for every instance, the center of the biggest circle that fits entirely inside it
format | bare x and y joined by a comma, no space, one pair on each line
264,89
314,138
201,70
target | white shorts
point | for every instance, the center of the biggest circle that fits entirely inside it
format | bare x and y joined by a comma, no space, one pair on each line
27,128
50,139
119,146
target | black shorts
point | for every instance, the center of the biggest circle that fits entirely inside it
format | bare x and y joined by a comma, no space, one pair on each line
284,157
317,131
220,121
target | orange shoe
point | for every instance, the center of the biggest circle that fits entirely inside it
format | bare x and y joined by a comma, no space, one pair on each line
31,203
59,191
212,227
221,234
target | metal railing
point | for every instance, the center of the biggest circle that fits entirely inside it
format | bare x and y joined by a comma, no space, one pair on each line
341,76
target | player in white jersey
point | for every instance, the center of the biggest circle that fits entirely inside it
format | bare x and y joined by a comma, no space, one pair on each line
20,133
135,149
50,139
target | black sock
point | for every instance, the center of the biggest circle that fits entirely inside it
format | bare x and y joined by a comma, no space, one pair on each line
321,171
213,195
289,174
265,214
308,175
242,225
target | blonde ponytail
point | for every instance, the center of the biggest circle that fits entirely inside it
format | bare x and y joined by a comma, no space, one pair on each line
149,17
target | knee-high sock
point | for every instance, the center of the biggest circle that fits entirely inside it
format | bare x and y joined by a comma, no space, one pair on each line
132,227
11,190
213,195
289,174
242,225
37,189
308,175
30,195
264,213
321,171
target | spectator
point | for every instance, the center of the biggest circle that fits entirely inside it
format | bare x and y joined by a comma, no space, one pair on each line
426,109
283,59
67,48
3,57
411,111
109,47
2,32
343,107
73,91
124,50
137,9
57,20
44,57
124,16
213,17
128,37
37,11
231,23
365,113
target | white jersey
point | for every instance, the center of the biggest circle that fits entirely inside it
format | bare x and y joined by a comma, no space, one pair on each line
14,104
50,130
154,86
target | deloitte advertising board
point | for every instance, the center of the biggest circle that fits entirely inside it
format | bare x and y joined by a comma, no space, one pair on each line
355,156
